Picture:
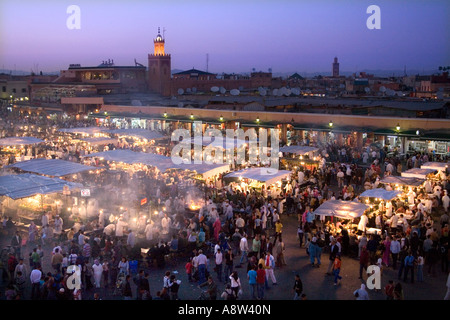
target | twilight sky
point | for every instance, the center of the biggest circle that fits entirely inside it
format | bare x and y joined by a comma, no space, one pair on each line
285,35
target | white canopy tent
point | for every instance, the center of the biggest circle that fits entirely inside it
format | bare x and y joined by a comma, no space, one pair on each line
381,194
418,173
19,141
299,150
406,181
265,175
100,140
206,170
82,130
137,133
342,209
441,166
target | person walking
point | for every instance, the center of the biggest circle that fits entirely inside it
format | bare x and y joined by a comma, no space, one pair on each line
127,293
252,275
389,290
219,264
409,266
298,287
235,283
337,269
228,264
97,270
243,246
395,250
334,250
363,261
260,281
269,267
35,278
361,293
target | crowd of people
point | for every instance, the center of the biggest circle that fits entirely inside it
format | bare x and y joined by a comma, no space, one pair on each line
235,235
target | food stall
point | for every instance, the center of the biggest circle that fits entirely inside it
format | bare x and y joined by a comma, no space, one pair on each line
296,156
419,173
258,177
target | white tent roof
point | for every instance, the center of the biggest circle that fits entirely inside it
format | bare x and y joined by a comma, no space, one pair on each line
408,181
206,170
300,150
137,133
342,209
100,140
435,165
223,143
51,167
18,186
82,130
381,193
267,175
418,173
16,141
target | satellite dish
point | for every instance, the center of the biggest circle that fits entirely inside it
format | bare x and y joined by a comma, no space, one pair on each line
383,89
288,92
366,89
222,90
215,89
188,90
262,92
234,92
194,89
440,95
180,104
180,91
280,93
241,88
275,92
295,91
136,103
390,93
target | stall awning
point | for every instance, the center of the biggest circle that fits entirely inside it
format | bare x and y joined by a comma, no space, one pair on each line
162,163
381,194
406,181
17,141
137,133
51,167
442,166
100,140
418,173
26,185
82,130
206,170
266,175
300,150
342,209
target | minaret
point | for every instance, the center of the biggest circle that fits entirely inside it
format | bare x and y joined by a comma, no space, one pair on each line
159,68
335,68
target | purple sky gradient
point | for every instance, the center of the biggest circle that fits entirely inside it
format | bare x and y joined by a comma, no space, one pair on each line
285,35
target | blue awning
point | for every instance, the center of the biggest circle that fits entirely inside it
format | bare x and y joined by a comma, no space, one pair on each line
51,167
26,185
381,193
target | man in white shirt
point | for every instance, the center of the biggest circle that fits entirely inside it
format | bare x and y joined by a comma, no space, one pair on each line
202,261
219,259
395,249
35,278
165,225
131,239
243,246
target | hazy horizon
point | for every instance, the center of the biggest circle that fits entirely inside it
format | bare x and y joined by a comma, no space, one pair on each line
286,36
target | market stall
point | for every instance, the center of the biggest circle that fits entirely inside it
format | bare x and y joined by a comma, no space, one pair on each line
440,166
19,141
402,181
260,176
27,196
418,173
381,193
341,209
51,167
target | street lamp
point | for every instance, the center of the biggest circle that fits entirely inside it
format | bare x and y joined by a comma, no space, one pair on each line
221,118
165,114
257,120
192,116
330,124
398,127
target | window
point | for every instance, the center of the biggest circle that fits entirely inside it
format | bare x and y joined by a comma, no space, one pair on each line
24,90
3,89
14,90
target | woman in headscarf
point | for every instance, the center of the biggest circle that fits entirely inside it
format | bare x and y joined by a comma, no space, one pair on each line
361,293
97,270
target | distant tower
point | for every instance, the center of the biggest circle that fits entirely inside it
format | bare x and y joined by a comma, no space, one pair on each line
159,69
335,68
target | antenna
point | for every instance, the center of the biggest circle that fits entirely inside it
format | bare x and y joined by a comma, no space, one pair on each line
164,32
207,61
